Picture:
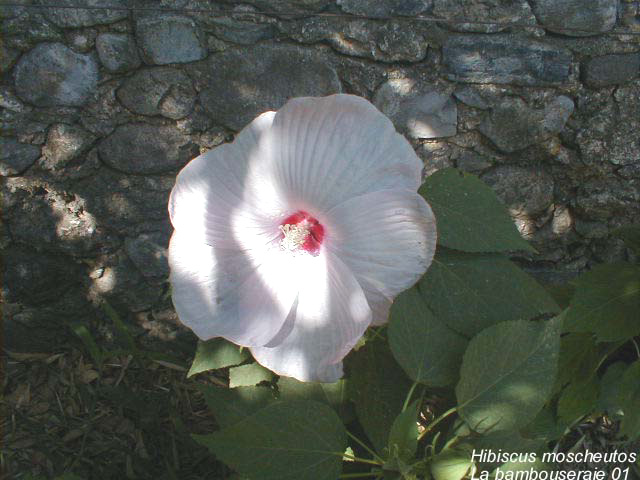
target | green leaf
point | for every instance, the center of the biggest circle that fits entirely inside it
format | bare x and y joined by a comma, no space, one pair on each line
87,339
609,387
378,387
510,441
470,217
283,441
451,464
216,353
332,394
629,399
248,375
630,235
578,359
427,349
230,406
578,399
403,437
507,374
470,292
511,469
606,302
544,426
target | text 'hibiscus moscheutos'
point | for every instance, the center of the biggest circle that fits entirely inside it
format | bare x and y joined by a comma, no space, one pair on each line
297,236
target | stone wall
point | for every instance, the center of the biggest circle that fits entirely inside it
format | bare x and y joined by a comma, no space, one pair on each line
101,108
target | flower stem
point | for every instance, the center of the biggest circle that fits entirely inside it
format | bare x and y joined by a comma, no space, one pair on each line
408,399
429,427
358,459
364,445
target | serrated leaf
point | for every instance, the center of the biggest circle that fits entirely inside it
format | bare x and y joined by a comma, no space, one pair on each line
230,406
470,216
470,292
507,374
248,375
403,437
577,399
629,399
427,349
283,441
606,302
451,464
214,354
377,386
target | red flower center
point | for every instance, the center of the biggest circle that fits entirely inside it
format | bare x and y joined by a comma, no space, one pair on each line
301,231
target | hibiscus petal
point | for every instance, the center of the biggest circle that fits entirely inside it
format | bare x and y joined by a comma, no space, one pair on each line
387,239
327,150
331,315
226,294
215,200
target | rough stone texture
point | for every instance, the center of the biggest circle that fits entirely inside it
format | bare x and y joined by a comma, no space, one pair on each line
576,17
389,41
149,254
384,8
92,140
505,59
146,149
611,69
513,126
16,157
169,39
70,17
238,84
64,143
52,74
117,52
513,11
162,91
525,191
416,109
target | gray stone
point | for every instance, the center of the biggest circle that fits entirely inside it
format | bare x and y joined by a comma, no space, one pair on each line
498,11
29,28
80,17
162,91
82,40
525,191
505,59
417,109
238,31
384,8
148,252
16,157
605,198
472,162
471,97
562,221
169,39
591,229
611,69
237,85
289,7
146,149
52,74
390,41
64,143
8,57
610,132
576,18
513,126
9,101
55,220
117,52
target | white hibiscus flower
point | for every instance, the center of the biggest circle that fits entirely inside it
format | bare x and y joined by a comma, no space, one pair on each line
297,236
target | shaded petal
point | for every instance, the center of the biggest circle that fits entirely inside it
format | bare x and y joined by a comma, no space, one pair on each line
327,150
387,239
228,294
331,315
216,200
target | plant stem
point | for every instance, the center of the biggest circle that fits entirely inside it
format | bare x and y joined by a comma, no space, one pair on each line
364,445
429,427
358,459
408,399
